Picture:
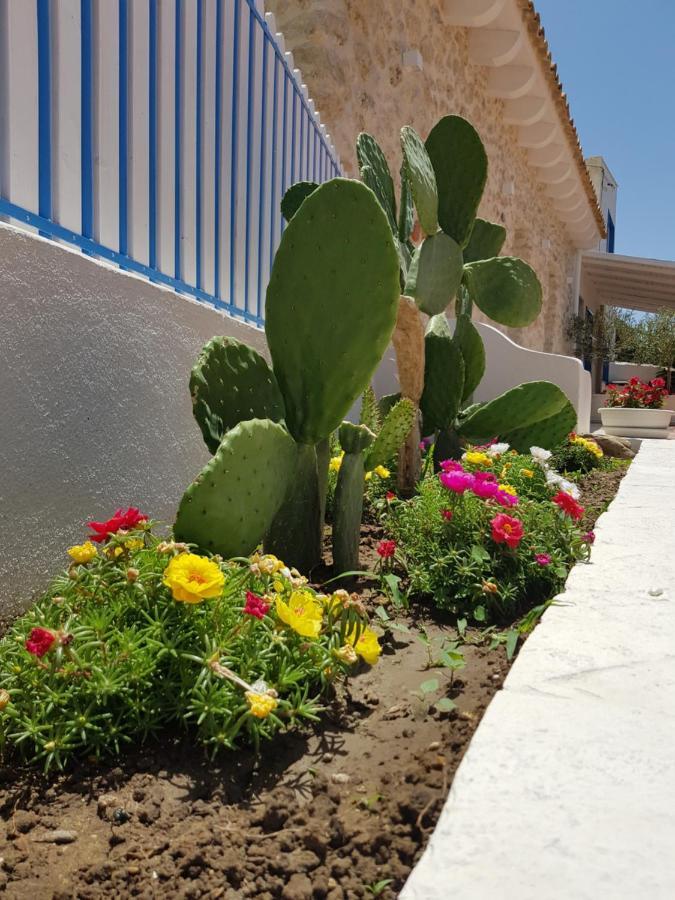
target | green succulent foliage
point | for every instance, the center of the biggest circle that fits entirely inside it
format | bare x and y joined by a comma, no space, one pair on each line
355,438
331,305
386,402
370,412
406,209
294,196
517,409
377,175
506,289
348,512
548,432
486,241
435,273
460,165
470,345
231,383
422,179
443,377
229,506
392,433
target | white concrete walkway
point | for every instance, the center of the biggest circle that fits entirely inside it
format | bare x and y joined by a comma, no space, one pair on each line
567,791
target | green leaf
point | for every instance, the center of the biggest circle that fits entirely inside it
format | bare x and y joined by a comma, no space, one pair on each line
511,643
392,581
470,345
461,627
435,273
382,614
294,197
460,165
429,686
479,553
375,173
443,377
506,289
452,659
422,179
479,614
445,704
486,241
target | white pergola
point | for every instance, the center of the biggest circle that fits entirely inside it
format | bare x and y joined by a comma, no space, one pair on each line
630,282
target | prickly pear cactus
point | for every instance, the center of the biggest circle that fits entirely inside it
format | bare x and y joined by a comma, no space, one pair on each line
486,241
470,345
331,305
395,428
229,506
506,289
370,412
547,433
348,506
294,196
377,175
443,377
420,174
435,273
514,411
232,383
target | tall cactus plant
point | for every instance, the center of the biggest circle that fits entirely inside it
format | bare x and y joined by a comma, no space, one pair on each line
330,312
456,260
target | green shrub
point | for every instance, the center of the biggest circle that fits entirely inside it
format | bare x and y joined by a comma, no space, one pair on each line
577,454
140,636
456,552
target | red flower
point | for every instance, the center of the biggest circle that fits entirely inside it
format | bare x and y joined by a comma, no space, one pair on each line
40,641
506,530
447,514
568,505
255,606
389,496
123,520
657,383
634,381
386,549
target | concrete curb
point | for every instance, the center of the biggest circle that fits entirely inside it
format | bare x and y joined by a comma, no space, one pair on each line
567,791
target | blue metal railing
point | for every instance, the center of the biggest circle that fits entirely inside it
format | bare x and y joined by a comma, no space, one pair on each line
249,114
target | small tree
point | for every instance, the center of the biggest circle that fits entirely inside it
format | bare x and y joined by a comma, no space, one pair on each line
653,341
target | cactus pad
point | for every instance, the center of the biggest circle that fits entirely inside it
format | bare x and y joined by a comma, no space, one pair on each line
470,345
435,273
443,377
395,429
294,196
506,289
514,410
232,383
460,165
420,173
355,438
546,433
370,413
386,402
229,506
406,211
332,304
347,513
486,241
377,175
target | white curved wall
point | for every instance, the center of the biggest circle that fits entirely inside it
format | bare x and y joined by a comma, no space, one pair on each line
94,401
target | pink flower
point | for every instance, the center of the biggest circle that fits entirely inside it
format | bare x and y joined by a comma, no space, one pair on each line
255,606
485,489
386,549
447,514
484,476
589,537
543,559
506,530
506,499
40,641
457,481
451,465
569,505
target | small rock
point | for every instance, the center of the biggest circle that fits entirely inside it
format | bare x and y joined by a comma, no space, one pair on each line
434,745
59,836
619,448
340,778
327,757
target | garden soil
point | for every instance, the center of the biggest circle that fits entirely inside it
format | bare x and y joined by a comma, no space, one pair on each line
342,811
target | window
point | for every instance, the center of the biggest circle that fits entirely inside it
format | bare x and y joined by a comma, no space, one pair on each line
610,232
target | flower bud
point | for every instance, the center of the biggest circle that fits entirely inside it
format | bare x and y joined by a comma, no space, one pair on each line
132,575
4,699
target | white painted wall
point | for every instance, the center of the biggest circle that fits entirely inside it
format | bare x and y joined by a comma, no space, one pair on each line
606,186
623,371
94,406
508,365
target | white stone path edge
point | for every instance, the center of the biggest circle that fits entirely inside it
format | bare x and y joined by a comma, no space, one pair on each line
567,790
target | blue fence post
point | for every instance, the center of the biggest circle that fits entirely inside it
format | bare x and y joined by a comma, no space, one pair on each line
218,149
123,126
86,145
152,134
177,112
234,155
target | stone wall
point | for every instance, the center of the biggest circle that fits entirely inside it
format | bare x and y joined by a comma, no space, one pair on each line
350,53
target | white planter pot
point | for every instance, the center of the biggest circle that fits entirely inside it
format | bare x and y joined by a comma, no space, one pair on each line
642,423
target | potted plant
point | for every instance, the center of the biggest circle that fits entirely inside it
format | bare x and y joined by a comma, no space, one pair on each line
634,410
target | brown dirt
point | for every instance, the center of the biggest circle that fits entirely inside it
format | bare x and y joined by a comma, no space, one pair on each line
598,487
324,814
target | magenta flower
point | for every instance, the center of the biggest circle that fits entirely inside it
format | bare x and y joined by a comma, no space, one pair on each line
458,482
484,476
451,465
486,490
255,606
589,537
447,514
505,499
543,559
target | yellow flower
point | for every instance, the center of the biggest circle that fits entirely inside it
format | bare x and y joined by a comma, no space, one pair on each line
336,462
527,473
302,613
476,458
367,646
508,489
82,553
134,544
382,471
261,705
193,578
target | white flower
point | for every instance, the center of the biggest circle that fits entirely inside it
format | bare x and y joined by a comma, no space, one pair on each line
497,449
552,477
570,488
541,456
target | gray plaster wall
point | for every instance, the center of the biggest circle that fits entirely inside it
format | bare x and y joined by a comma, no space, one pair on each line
95,409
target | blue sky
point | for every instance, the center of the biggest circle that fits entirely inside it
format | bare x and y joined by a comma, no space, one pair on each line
616,60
